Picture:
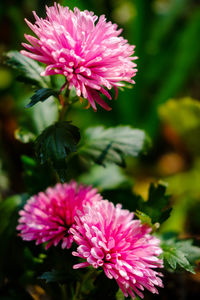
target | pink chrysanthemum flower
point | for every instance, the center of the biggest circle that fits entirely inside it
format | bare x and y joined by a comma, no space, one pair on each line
108,237
88,51
48,216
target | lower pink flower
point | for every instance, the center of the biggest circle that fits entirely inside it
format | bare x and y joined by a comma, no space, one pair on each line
48,216
108,237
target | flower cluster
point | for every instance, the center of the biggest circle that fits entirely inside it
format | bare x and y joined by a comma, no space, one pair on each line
93,57
88,51
47,217
107,236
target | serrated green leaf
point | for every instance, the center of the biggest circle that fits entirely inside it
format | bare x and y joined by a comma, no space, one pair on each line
178,254
55,144
41,95
113,144
156,207
143,218
29,70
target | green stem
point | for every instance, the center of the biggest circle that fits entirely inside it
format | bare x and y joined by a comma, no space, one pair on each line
77,291
91,274
64,294
64,100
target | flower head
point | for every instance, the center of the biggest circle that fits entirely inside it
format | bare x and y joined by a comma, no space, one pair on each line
88,51
108,237
48,216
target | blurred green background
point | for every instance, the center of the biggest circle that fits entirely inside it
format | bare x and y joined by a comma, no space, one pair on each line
164,101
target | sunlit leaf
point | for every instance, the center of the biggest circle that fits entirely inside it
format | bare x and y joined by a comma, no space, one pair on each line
29,70
113,144
108,177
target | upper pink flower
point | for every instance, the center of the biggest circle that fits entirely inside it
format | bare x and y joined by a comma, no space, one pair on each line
88,51
108,237
48,216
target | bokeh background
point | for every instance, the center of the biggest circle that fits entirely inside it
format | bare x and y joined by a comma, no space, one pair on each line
164,102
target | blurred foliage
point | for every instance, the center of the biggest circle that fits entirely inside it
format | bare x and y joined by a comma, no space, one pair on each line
166,35
183,116
109,177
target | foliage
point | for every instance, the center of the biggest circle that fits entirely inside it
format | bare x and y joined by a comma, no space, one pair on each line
41,95
55,144
153,211
157,204
184,117
111,145
109,177
28,69
179,254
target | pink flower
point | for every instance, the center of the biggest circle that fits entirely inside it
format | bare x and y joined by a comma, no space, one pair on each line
48,216
88,51
108,237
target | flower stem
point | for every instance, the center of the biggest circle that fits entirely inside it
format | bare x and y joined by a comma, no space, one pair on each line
64,295
90,275
64,101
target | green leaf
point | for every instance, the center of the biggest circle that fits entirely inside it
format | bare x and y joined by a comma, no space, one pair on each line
156,207
144,218
55,144
113,144
178,254
41,95
122,195
29,70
